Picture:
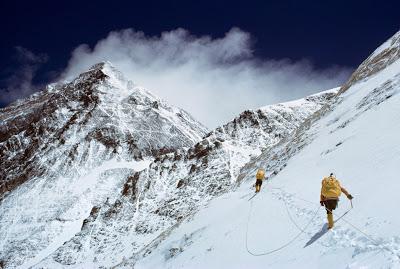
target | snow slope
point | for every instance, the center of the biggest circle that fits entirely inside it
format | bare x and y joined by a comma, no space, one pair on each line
190,208
177,184
357,138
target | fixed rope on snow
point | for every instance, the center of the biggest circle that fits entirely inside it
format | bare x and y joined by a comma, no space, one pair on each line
281,247
369,237
330,220
302,230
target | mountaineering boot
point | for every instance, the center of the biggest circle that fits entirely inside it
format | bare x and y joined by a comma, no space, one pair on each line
330,220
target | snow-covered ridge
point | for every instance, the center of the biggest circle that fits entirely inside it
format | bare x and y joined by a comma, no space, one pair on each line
267,125
355,136
98,105
92,202
72,146
383,56
176,185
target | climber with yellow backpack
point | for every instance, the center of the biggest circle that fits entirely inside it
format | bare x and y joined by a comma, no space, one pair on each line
260,176
330,192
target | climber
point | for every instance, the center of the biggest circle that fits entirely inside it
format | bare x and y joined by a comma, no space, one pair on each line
260,176
330,192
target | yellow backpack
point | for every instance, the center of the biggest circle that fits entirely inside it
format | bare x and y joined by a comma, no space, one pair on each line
260,174
331,187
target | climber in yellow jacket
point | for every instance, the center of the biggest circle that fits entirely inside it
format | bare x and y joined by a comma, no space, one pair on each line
260,176
330,192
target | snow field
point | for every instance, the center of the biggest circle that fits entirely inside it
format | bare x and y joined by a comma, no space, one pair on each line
358,141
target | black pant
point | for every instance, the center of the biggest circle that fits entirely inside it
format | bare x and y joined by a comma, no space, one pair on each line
259,182
330,205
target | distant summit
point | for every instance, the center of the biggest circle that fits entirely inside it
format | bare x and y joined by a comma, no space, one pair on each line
97,116
98,172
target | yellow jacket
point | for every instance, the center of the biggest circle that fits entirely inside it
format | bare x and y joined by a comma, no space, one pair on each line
331,189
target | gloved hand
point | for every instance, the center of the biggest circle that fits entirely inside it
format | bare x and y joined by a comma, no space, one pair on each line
322,203
349,196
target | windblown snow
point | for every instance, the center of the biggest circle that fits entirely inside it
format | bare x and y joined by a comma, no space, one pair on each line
178,184
357,138
98,172
72,147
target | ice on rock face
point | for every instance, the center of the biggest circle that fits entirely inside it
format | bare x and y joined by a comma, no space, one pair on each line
73,146
100,173
355,135
100,105
179,183
90,137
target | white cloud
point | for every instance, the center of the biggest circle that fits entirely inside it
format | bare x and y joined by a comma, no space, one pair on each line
213,79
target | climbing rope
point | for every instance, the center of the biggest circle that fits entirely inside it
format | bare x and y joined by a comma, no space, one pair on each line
369,237
295,196
291,218
376,243
302,230
281,247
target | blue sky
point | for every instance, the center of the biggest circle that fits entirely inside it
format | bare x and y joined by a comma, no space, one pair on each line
39,37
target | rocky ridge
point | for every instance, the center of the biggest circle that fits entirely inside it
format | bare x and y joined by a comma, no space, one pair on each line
72,146
155,201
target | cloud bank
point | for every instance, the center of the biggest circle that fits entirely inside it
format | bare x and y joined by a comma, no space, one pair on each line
214,79
20,83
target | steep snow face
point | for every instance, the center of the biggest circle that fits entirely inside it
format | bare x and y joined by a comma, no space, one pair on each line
357,138
190,208
73,146
382,57
156,200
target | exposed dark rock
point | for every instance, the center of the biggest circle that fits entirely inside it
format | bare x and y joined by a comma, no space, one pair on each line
130,187
180,183
113,210
93,215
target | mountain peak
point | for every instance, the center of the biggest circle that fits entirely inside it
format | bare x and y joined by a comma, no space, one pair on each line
105,71
99,111
108,69
101,65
